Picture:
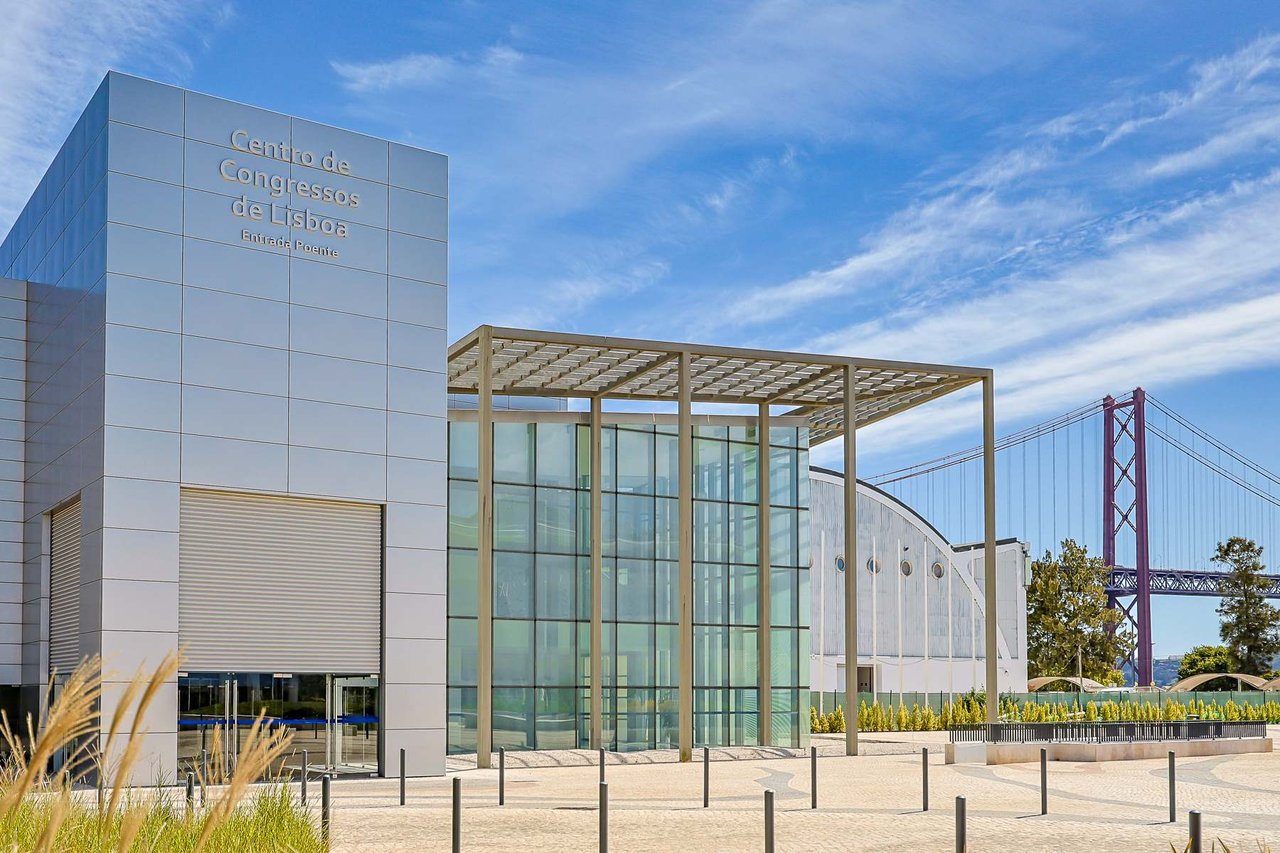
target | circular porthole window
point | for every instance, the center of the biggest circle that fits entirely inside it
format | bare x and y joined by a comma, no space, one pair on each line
873,565
938,570
905,566
839,564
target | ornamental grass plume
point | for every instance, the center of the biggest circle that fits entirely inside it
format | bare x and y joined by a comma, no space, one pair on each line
43,810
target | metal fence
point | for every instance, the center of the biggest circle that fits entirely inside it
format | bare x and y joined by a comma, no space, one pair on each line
1119,732
827,701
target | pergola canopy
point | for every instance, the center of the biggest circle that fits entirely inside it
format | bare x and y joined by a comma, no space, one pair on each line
559,364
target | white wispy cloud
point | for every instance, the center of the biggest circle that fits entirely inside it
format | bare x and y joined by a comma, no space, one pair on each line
52,55
1179,283
422,70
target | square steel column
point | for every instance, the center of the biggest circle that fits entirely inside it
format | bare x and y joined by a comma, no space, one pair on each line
597,581
764,656
684,445
484,554
850,562
989,544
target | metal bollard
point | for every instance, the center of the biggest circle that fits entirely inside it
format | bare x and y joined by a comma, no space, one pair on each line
768,822
502,776
813,777
326,809
604,817
305,770
1173,790
1044,780
706,777
602,764
1197,844
961,843
924,778
204,774
457,814
191,791
402,777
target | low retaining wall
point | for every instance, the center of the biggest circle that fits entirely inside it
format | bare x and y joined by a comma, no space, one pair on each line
1021,753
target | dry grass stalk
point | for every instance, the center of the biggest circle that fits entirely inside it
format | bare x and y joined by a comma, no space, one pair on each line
261,749
71,719
46,807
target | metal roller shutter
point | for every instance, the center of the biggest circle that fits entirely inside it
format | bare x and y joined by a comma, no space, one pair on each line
273,584
64,588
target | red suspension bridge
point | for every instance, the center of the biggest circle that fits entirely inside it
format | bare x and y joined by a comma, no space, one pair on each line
1125,476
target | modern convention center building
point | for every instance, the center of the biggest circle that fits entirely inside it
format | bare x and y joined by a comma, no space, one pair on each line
233,425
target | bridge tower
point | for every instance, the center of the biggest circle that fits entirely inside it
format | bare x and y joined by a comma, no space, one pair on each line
1124,505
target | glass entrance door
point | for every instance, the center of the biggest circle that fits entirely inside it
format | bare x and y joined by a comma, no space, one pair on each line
208,725
353,724
333,718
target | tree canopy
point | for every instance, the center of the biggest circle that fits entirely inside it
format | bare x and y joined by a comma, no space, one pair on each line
1202,659
1067,611
1250,624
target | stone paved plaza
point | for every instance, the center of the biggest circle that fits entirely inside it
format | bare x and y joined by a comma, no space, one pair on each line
871,802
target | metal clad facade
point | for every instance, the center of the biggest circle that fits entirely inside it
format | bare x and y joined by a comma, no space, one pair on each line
276,583
64,589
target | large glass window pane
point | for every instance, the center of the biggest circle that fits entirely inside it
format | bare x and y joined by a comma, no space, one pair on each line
782,537
462,582
557,455
666,464
583,451
783,656
711,431
635,526
635,590
783,436
609,459
710,531
635,460
462,719
667,529
803,651
710,469
782,476
513,452
802,597
512,653
802,478
513,517
609,584
744,473
666,592
744,595
804,557
782,597
709,593
636,719
743,657
709,655
462,652
556,580
557,718
464,515
556,656
463,450
668,656
513,718
744,533
608,523
512,585
635,655
583,581
557,518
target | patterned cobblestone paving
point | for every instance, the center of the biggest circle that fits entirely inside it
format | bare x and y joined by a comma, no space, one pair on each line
871,802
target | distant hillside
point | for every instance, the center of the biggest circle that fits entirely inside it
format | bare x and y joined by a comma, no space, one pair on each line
1164,671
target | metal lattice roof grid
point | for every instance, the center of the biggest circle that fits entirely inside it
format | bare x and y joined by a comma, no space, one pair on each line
559,364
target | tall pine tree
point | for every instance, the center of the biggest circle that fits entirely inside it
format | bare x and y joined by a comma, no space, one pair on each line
1250,624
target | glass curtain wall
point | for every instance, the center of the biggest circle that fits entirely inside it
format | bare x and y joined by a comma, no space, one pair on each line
542,585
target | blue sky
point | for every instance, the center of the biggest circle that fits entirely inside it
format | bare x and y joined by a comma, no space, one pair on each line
1082,196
